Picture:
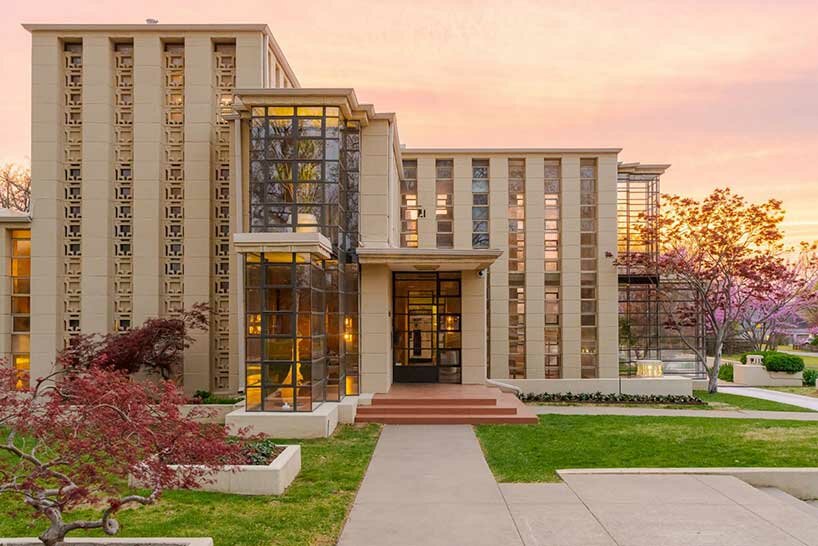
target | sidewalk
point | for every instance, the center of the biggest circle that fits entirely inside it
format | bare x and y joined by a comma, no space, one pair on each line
775,396
658,412
429,485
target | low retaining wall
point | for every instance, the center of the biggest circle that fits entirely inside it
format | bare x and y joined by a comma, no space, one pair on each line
272,479
320,423
217,412
668,385
756,375
80,541
801,483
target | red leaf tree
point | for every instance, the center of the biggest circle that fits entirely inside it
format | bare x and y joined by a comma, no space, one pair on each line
73,438
728,253
157,346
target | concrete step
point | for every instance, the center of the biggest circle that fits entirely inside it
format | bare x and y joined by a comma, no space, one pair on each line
419,401
437,419
424,409
807,507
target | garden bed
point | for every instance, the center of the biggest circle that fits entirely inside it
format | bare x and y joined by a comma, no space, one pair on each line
211,408
608,399
270,469
311,511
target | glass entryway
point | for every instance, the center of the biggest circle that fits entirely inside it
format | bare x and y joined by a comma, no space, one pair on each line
426,327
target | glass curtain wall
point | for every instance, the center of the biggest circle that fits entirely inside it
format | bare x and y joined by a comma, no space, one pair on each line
552,183
647,304
588,268
516,268
302,310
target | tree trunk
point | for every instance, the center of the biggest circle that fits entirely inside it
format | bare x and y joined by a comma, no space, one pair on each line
713,373
54,535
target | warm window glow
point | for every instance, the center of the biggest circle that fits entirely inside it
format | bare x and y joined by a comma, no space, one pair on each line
21,304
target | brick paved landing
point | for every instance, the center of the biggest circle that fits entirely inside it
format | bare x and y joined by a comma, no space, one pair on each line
430,404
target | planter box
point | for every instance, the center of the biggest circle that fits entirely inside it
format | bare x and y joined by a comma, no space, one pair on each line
755,375
161,541
272,479
319,423
217,412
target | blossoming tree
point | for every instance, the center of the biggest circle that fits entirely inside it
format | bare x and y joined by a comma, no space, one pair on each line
728,253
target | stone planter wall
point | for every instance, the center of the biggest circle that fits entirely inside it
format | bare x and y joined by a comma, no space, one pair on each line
272,479
218,412
755,375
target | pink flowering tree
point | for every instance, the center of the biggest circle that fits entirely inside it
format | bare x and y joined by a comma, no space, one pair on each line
726,253
73,439
789,298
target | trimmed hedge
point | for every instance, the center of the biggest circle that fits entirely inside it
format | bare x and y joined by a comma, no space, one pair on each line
600,398
810,375
726,372
778,362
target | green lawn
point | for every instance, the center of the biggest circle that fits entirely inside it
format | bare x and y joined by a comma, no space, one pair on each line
532,453
803,391
736,401
311,512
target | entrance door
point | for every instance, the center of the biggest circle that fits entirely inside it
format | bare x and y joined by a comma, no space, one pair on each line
426,327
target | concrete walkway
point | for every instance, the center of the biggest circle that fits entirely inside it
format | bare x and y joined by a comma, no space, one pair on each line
775,396
659,412
429,485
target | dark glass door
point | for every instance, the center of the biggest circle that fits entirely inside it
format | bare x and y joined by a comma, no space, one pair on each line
426,328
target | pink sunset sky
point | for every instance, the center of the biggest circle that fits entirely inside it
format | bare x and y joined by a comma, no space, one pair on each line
726,91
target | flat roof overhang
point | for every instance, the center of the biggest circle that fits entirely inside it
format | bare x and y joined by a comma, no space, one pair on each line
307,242
429,259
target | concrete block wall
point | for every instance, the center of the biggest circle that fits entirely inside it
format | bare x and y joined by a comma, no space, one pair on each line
98,175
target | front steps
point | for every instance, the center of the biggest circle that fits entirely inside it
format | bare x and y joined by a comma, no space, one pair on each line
432,406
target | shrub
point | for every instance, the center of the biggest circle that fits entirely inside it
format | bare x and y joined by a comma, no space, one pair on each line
612,398
207,397
810,374
778,362
726,372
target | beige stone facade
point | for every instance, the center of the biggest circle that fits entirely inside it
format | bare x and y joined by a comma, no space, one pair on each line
174,165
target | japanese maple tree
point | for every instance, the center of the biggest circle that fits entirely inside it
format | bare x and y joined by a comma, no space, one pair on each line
156,347
73,439
727,253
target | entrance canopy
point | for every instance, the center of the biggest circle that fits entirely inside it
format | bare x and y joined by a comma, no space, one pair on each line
429,259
